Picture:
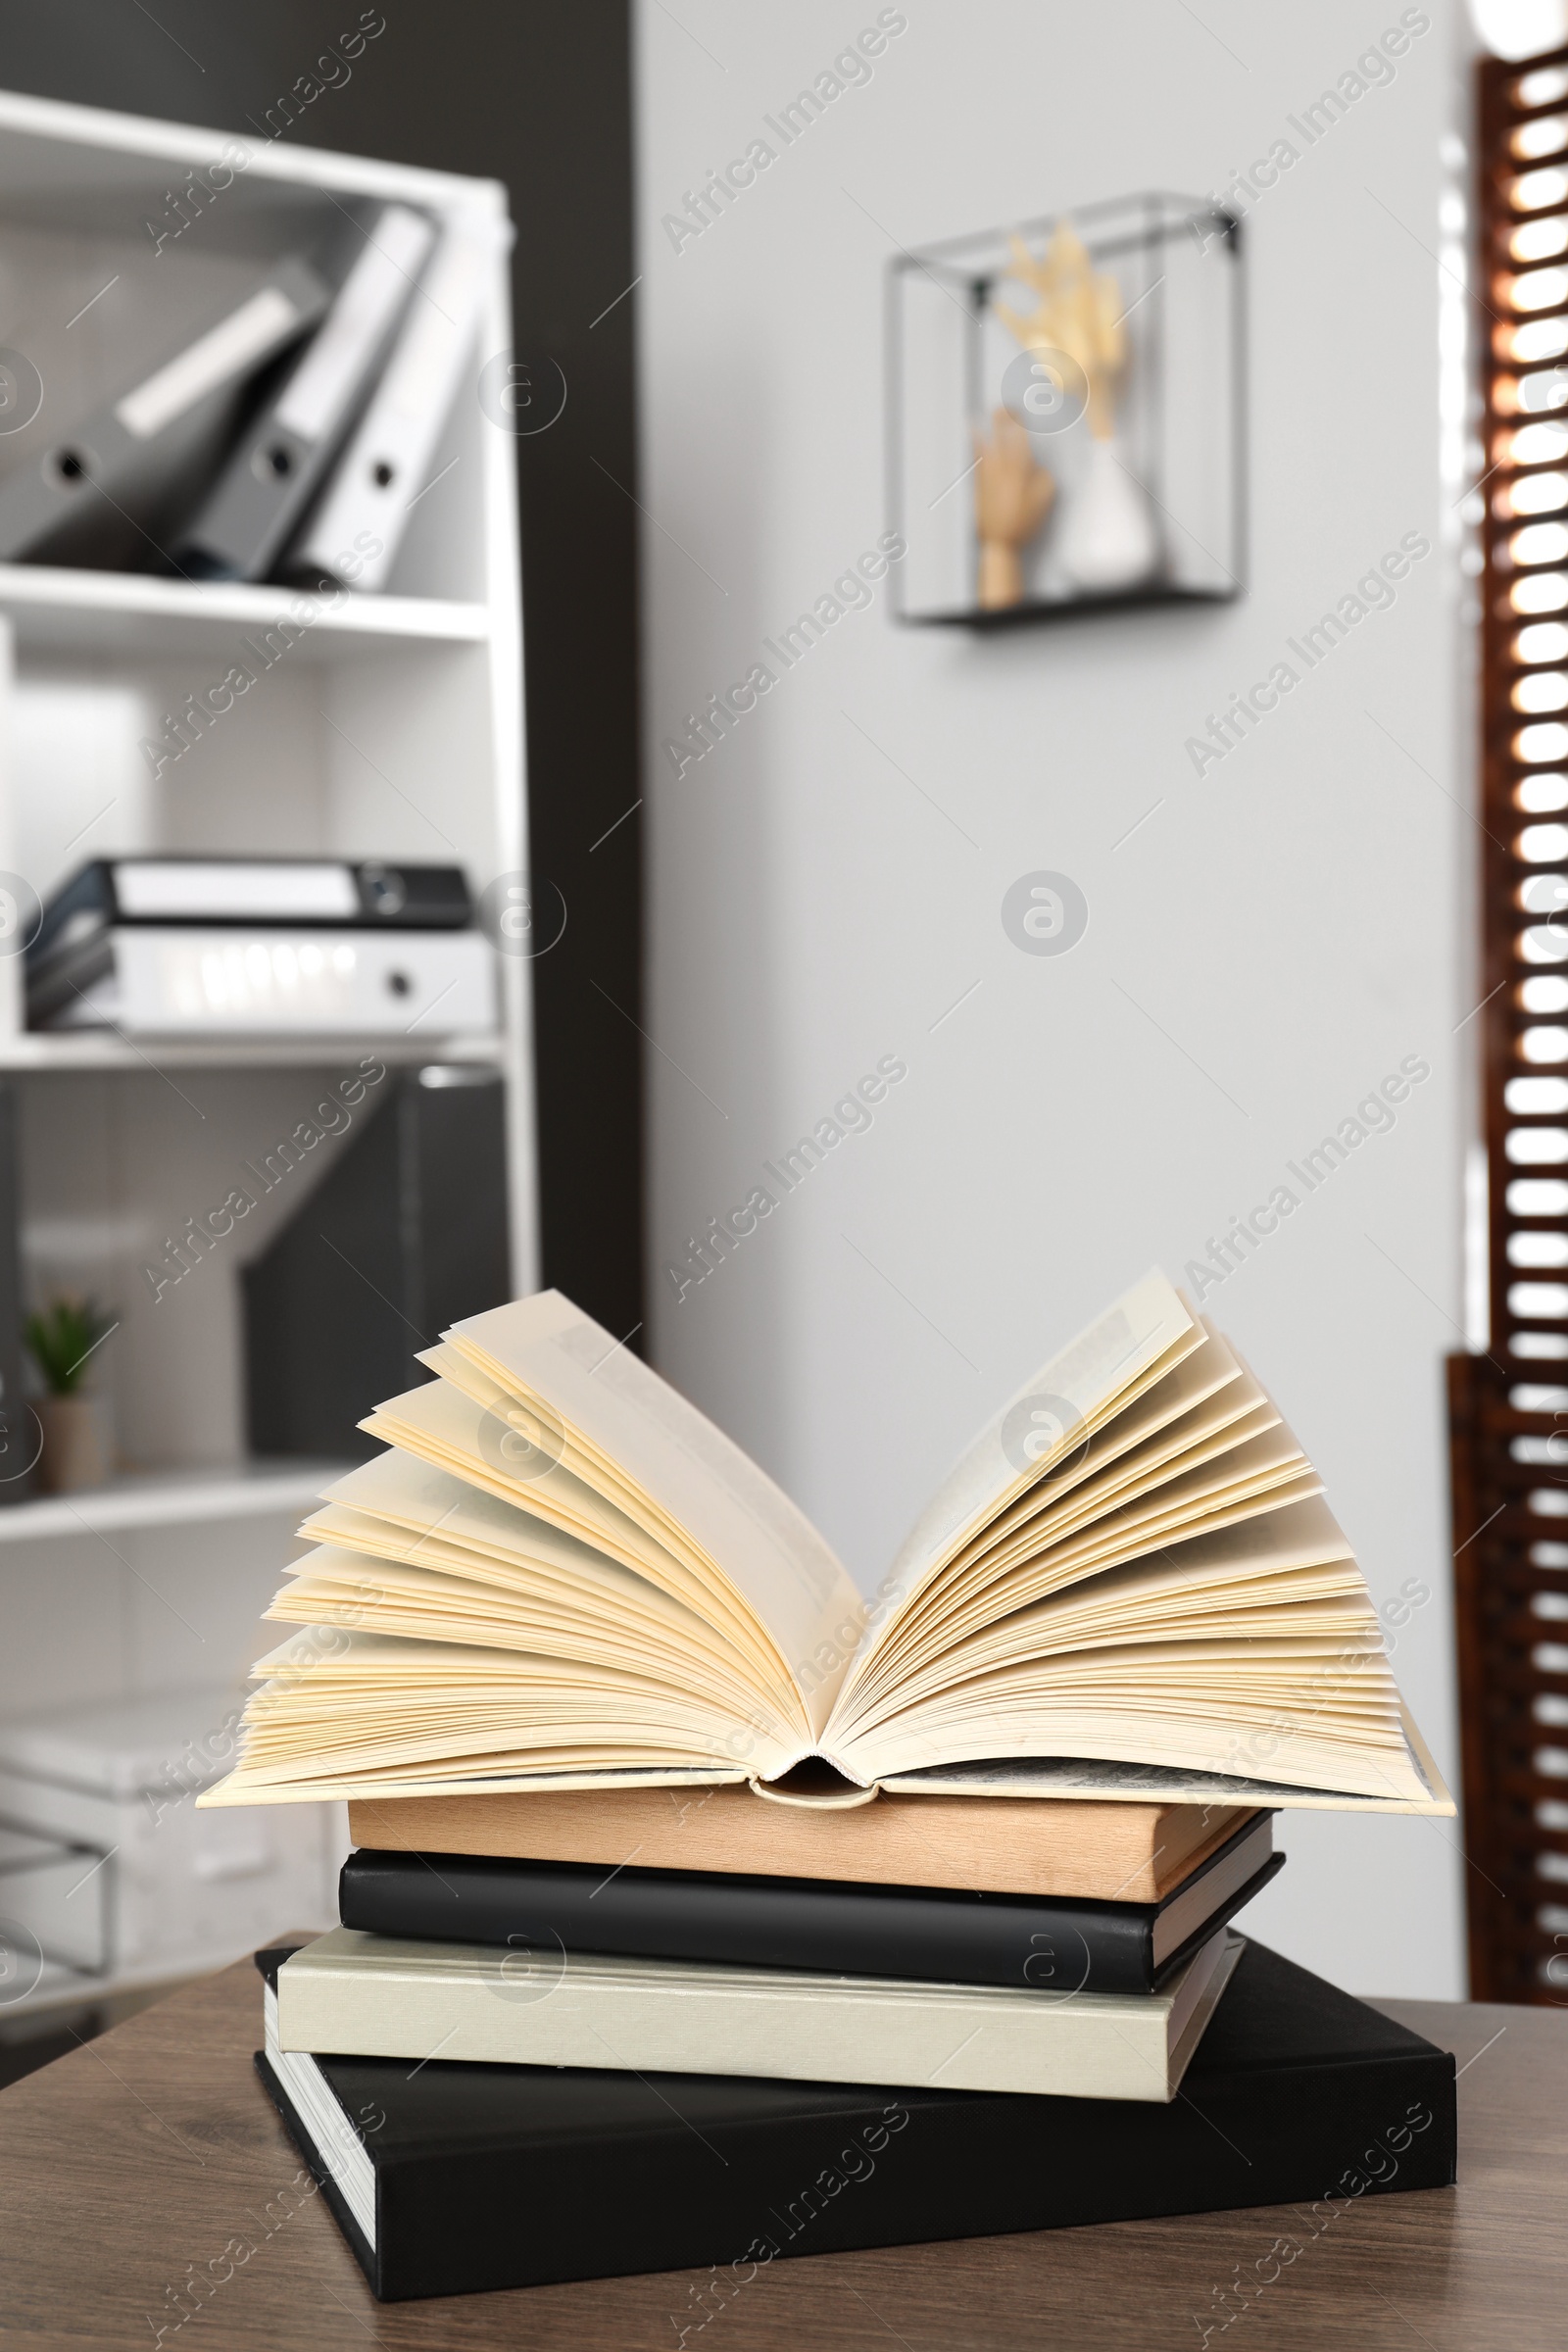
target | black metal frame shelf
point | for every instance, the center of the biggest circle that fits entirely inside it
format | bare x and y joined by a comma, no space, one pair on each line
1185,438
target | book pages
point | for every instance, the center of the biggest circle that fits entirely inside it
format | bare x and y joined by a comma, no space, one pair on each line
560,1577
1045,1421
623,1415
409,1716
445,1427
333,1587
1088,1780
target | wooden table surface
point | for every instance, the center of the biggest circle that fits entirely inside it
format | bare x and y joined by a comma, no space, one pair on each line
142,2156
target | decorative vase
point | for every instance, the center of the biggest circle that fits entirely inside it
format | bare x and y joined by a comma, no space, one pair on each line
1108,539
76,1449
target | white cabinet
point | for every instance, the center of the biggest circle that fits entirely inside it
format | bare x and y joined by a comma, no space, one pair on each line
385,726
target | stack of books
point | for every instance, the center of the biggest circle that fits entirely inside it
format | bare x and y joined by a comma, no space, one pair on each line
704,1912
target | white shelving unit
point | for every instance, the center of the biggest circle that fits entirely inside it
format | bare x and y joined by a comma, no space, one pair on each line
169,1498
391,729
54,609
101,1050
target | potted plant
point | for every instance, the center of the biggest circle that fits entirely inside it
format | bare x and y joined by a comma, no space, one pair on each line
76,1449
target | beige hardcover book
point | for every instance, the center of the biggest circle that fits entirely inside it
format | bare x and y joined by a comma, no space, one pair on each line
357,1995
1128,1853
558,1576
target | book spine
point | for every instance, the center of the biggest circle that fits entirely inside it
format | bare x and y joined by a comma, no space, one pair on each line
839,1930
360,2001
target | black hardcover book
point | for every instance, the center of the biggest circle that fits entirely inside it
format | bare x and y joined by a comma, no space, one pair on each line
457,2180
934,1935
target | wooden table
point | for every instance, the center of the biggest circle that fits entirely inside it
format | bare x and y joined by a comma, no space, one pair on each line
139,2157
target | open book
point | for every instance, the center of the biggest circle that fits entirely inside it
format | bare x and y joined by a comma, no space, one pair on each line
561,1575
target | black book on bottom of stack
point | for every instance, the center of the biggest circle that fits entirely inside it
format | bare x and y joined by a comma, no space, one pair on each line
458,2179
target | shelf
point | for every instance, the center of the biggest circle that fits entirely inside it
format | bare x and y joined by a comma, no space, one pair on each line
168,1498
1067,607
57,153
53,608
105,1050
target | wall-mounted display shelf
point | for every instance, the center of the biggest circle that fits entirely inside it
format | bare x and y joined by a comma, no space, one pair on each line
1065,421
383,726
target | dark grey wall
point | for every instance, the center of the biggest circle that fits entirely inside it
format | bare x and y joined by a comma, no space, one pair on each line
538,96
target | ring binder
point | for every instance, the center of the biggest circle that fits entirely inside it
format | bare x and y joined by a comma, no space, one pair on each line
278,464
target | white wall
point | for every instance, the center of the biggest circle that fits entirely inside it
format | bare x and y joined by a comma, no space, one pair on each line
1276,937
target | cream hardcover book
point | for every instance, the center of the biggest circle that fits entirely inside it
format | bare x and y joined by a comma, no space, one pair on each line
350,1995
559,1574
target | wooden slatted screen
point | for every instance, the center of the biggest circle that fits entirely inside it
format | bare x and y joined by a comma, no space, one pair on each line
1509,1408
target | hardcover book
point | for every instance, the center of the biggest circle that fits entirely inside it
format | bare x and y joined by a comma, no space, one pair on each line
561,1575
941,1934
1131,1850
380,1996
451,2179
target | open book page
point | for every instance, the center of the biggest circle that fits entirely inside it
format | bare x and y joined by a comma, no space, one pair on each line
443,1427
1292,1705
613,1620
1146,1333
1210,1500
1117,1476
599,1590
1250,1539
1099,1780
531,1430
1290,1571
1207,1390
403,1508
1219,1478
348,1713
1026,1551
710,1496
1172,1591
560,1575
